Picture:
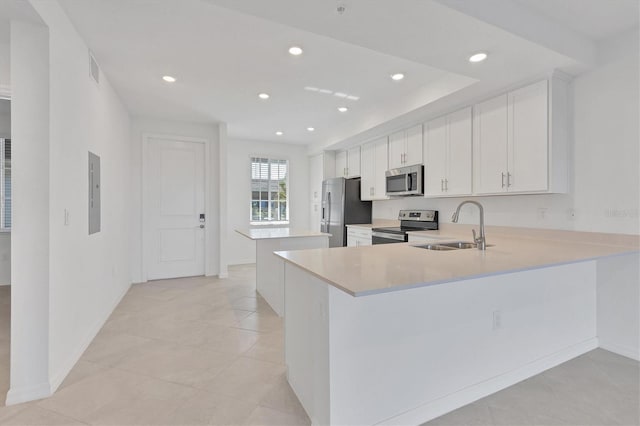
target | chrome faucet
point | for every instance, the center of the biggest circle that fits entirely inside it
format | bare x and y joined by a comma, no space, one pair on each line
480,241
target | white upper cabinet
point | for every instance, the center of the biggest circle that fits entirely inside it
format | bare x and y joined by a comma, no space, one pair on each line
447,155
353,162
348,163
520,143
490,146
405,147
374,164
528,138
341,164
459,155
435,156
414,146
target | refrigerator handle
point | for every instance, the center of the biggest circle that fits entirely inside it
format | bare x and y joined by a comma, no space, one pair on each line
329,207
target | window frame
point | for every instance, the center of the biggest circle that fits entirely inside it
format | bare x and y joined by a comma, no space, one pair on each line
3,168
270,159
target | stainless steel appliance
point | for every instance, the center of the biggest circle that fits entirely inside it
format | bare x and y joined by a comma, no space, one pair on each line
410,220
341,206
405,181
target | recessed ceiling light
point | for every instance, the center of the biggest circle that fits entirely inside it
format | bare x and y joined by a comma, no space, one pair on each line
169,79
343,109
478,57
263,95
397,76
279,133
295,50
311,129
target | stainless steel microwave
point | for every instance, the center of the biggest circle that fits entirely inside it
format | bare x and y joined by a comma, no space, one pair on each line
405,181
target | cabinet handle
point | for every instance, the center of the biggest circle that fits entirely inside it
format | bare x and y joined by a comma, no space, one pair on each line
441,185
446,185
503,179
508,180
371,191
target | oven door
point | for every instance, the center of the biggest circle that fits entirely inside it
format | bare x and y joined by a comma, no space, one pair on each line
387,238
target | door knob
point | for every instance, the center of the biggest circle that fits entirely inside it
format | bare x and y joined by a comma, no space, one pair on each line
201,226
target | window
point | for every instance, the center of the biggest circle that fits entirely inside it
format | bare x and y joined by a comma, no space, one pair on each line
269,191
5,184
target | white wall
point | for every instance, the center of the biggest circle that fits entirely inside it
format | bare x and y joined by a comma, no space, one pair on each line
5,118
5,258
87,275
141,126
30,244
605,195
240,249
5,237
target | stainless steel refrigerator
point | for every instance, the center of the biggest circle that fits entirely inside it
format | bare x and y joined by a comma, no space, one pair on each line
341,206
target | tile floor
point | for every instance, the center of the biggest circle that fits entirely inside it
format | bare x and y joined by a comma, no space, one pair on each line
201,351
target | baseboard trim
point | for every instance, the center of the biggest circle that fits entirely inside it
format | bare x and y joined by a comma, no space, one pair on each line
58,378
437,408
626,351
28,393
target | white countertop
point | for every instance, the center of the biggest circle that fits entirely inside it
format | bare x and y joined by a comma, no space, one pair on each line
268,233
383,268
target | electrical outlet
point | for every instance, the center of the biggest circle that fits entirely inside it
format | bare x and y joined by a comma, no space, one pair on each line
66,217
542,213
497,320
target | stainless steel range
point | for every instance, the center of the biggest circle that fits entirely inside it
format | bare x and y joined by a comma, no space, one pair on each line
410,220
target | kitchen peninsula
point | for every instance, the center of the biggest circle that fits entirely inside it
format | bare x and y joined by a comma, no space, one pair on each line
269,268
397,334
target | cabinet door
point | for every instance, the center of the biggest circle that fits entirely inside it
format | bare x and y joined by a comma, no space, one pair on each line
363,241
458,178
381,167
413,153
353,162
435,156
397,148
341,164
352,240
528,139
490,146
368,171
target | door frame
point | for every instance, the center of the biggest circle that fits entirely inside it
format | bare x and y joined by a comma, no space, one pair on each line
208,231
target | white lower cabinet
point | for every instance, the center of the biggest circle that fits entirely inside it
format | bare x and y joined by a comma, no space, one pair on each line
358,236
373,165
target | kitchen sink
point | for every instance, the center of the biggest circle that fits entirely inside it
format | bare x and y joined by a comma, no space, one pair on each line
454,245
460,245
440,247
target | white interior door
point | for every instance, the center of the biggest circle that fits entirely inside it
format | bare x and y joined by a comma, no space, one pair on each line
174,202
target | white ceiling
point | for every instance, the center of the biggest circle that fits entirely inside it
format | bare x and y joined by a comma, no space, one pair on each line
224,52
594,19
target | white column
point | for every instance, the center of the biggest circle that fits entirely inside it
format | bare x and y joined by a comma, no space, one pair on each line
30,233
224,178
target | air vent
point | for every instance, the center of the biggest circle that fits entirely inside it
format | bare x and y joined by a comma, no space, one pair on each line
94,69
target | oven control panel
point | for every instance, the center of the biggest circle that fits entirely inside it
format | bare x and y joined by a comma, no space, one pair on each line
418,215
